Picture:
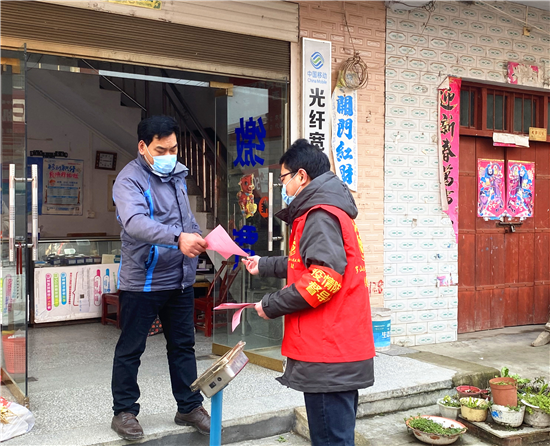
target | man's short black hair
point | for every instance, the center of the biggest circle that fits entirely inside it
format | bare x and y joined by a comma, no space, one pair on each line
303,155
159,126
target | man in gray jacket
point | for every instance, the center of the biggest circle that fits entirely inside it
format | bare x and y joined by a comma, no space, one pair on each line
160,244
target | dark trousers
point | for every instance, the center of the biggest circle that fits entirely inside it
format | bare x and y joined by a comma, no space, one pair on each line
331,417
138,310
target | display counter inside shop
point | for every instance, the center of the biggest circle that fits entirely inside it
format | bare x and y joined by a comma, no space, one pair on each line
70,276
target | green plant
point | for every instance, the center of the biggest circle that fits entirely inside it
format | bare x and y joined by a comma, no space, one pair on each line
475,403
281,439
539,400
501,383
449,401
431,427
514,408
505,373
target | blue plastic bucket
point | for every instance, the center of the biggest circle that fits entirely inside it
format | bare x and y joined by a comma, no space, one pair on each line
381,328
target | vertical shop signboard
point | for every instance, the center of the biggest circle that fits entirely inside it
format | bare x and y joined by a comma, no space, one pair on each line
344,135
490,189
316,71
449,122
521,189
62,186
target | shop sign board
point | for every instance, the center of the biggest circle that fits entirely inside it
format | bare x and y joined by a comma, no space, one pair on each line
344,135
316,72
149,4
537,134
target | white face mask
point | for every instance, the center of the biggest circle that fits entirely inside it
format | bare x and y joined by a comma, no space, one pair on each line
163,164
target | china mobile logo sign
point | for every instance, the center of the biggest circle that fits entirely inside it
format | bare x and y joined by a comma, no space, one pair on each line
317,60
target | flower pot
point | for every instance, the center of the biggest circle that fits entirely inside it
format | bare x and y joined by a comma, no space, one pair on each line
485,394
506,416
538,418
473,414
446,411
504,394
435,438
466,391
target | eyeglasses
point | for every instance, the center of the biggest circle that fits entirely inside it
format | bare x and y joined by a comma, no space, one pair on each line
281,178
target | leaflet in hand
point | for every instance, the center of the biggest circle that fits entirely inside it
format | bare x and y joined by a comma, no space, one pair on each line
237,316
218,240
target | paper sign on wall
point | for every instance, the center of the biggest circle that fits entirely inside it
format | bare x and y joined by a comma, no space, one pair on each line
62,186
490,189
521,188
316,69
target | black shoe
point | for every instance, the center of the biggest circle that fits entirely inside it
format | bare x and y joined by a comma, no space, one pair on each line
198,418
127,426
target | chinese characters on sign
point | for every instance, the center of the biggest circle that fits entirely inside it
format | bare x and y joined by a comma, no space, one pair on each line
62,186
521,189
490,189
449,115
316,68
247,149
344,135
149,4
247,235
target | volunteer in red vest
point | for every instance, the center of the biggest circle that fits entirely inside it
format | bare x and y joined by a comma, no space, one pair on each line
328,338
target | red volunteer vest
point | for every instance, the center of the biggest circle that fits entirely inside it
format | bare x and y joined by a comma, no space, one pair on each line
339,327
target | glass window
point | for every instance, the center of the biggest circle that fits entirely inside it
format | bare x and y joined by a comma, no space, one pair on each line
518,102
527,114
500,112
464,108
490,110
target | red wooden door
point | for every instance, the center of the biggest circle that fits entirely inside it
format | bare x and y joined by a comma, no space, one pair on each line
504,276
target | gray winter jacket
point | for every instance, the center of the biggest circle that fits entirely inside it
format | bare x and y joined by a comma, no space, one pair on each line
153,211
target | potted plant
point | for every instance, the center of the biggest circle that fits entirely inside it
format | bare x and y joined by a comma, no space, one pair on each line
504,391
537,412
485,394
466,391
449,407
435,430
474,409
508,415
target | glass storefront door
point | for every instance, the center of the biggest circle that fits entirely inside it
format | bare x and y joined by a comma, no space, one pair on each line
13,246
250,140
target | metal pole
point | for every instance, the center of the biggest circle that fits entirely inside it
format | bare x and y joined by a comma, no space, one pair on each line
216,419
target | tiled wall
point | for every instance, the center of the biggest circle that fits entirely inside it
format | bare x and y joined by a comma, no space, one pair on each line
366,20
473,41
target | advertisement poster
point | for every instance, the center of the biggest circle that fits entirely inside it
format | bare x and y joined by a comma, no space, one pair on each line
72,292
316,69
491,193
344,135
521,188
449,122
62,186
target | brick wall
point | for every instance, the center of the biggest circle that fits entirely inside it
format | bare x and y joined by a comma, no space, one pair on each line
367,27
464,40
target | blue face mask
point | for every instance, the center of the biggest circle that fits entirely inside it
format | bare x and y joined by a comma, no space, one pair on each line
163,164
286,198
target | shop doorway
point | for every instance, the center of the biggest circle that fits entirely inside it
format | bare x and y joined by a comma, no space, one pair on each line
215,113
504,266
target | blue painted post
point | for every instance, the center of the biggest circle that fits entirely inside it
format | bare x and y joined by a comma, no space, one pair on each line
216,419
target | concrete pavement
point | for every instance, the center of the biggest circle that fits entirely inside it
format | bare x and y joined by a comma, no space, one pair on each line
70,388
